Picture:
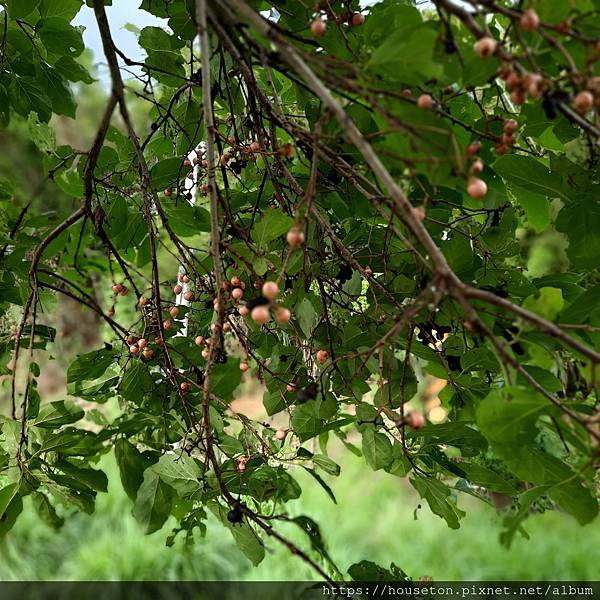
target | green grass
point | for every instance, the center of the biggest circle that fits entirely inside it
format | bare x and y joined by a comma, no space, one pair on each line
374,519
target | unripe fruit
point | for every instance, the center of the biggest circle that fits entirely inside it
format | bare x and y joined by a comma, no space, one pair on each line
236,281
425,101
583,101
283,315
533,84
142,343
199,341
270,290
476,188
485,47
295,237
134,349
177,290
143,301
184,386
280,434
477,166
260,314
415,419
168,192
237,293
419,212
501,149
530,20
243,310
322,356
357,19
318,27
244,366
512,81
189,296
510,126
517,97
254,147
473,148
509,139
148,353
167,325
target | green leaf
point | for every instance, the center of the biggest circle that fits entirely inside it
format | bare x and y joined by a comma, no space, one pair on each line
508,416
131,466
273,224
245,537
58,413
580,221
153,502
377,449
528,173
181,472
43,135
7,494
306,422
90,366
437,495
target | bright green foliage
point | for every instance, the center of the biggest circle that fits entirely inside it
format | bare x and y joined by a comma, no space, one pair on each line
402,271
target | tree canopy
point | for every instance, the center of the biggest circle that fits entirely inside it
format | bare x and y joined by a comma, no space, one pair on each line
338,200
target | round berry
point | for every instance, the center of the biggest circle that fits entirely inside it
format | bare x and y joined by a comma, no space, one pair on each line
476,188
143,301
199,341
134,349
237,293
142,342
236,281
189,296
283,315
477,166
280,434
415,419
244,366
295,237
167,325
356,19
184,386
168,192
583,102
318,27
485,47
322,356
174,311
148,353
473,148
510,126
270,290
177,290
260,314
290,387
254,147
530,20
243,310
425,102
